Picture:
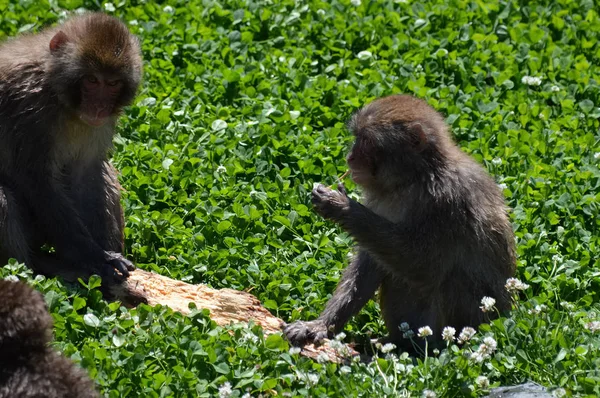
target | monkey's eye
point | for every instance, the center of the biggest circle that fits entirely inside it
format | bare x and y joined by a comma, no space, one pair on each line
91,79
112,83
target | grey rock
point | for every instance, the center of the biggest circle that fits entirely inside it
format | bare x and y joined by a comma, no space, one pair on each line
526,390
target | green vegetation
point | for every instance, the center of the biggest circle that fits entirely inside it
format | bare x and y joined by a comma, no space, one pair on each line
243,109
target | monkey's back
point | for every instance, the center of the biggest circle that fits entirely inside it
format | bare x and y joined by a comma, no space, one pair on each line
477,240
466,244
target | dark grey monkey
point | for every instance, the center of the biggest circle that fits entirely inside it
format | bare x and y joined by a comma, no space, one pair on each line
61,92
432,231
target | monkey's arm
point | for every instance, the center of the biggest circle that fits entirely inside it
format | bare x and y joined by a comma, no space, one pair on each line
394,244
98,201
359,282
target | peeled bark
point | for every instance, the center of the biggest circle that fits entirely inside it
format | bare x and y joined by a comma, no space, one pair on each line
226,306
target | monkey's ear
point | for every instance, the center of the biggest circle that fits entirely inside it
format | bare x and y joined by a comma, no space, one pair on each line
419,136
58,41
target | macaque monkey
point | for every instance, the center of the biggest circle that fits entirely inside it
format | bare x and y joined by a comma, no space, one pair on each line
432,231
29,368
61,92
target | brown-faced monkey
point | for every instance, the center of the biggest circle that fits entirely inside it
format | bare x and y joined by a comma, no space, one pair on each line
61,92
432,231
29,368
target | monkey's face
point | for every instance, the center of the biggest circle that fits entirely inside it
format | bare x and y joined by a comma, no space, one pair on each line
99,98
95,67
363,160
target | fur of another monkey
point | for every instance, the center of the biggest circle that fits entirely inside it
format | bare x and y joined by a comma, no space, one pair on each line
28,366
61,92
432,231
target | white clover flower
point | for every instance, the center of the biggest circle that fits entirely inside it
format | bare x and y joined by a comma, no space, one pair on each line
321,11
487,303
482,353
485,350
404,326
388,347
409,334
555,89
514,285
557,258
466,334
597,155
133,22
502,186
363,55
535,310
339,347
531,80
425,331
313,378
559,393
221,169
567,306
429,394
168,10
322,358
448,333
249,337
345,369
247,395
110,7
490,344
497,161
478,357
482,382
295,350
593,326
541,116
225,390
11,278
355,3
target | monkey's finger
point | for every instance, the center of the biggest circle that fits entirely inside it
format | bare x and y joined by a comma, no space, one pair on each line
321,188
109,274
342,189
123,266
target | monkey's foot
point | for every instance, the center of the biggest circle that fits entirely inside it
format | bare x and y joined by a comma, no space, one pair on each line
329,203
300,333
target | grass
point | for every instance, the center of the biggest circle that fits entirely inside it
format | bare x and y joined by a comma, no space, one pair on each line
243,109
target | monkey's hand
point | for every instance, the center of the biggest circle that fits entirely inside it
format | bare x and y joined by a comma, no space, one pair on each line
333,205
300,333
116,262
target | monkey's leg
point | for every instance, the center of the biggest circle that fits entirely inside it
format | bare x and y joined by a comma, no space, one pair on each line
359,282
15,237
401,302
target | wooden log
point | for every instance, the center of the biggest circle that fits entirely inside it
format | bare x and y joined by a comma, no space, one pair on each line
226,306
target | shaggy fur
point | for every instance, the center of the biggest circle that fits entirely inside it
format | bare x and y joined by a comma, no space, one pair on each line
28,366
